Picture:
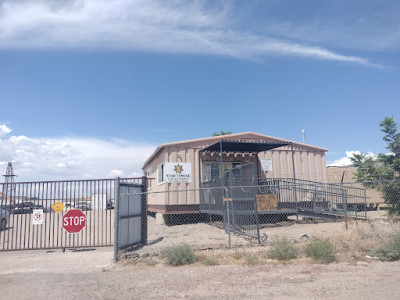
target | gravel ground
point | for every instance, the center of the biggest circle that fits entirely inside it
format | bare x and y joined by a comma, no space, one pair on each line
208,236
91,275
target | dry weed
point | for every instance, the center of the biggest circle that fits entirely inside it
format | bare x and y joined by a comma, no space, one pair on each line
361,237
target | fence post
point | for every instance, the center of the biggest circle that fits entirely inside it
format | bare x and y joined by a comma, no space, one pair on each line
116,219
144,211
344,201
365,203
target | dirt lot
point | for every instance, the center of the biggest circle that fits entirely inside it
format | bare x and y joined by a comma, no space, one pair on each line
91,275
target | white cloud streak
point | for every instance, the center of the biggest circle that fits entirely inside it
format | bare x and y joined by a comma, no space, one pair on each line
72,158
152,25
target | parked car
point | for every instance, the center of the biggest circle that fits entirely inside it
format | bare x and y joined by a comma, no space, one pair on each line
83,207
4,217
39,206
69,206
24,208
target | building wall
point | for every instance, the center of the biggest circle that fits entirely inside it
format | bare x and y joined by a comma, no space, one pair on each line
309,164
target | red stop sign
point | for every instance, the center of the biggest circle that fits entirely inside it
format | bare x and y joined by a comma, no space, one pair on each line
74,221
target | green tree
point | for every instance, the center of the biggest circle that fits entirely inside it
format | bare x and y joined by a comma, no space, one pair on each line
222,133
383,171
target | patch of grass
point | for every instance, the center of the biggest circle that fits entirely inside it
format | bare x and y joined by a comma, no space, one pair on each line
150,261
388,251
210,261
353,244
282,249
237,255
251,260
178,255
320,251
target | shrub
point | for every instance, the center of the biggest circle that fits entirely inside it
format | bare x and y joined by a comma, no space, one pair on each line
181,254
321,251
283,249
388,251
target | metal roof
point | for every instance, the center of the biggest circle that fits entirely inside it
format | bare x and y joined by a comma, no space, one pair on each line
243,147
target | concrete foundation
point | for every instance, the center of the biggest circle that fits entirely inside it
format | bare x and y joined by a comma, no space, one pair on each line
160,219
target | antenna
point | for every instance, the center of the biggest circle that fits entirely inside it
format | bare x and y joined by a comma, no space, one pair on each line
303,133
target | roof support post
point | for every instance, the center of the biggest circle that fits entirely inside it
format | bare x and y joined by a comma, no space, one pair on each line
225,195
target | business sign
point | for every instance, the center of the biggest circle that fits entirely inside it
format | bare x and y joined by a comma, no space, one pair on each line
267,202
178,172
37,217
266,164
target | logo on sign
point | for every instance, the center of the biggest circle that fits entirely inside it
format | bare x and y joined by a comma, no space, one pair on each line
178,172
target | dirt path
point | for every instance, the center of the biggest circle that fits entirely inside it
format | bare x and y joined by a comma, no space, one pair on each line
91,275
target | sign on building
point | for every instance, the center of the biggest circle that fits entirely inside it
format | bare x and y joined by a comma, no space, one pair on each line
266,164
267,202
178,172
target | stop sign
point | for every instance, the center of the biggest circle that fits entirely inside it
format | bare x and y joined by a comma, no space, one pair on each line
74,221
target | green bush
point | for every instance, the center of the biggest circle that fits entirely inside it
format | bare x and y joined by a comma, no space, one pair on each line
388,251
321,251
283,249
181,254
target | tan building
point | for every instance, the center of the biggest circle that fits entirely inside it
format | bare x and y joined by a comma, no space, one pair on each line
335,174
178,168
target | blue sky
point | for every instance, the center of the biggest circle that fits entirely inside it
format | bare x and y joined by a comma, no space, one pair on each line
89,88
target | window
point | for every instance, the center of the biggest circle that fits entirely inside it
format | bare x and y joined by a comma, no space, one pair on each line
210,171
148,175
160,171
237,172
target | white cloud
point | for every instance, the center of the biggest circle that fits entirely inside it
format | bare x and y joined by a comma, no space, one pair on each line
151,25
346,161
4,130
72,158
116,173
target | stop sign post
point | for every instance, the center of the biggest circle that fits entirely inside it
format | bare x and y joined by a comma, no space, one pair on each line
74,221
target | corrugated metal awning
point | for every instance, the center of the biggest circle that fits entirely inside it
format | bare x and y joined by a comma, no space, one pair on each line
243,147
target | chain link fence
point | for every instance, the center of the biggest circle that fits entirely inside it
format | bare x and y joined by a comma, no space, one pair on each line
245,215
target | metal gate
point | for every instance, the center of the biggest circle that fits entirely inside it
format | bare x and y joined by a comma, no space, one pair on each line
241,214
130,216
22,203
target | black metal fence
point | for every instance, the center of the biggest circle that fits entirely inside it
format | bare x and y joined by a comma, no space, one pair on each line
247,202
32,213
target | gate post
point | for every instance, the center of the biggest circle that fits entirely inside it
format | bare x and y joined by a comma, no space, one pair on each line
144,211
116,219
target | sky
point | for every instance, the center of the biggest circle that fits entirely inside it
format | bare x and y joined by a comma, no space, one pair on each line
90,88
